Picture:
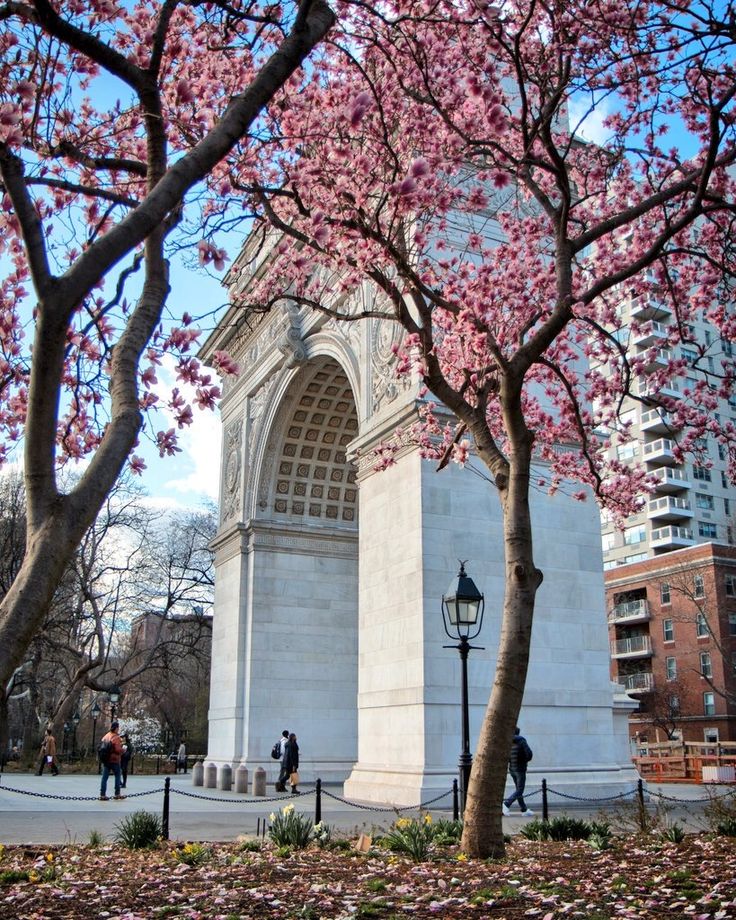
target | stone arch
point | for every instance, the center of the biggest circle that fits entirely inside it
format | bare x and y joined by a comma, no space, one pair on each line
308,478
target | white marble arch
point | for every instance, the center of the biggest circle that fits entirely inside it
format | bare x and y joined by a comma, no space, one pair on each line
327,618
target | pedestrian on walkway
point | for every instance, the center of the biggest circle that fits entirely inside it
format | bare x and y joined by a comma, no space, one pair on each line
112,744
48,753
283,772
520,756
125,759
181,758
291,762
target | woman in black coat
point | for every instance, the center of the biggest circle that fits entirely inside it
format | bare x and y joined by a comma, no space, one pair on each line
291,759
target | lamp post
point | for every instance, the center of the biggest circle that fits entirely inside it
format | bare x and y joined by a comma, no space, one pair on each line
462,617
95,713
114,696
75,722
65,741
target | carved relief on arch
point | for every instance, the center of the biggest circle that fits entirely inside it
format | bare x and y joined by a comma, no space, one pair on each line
232,472
386,336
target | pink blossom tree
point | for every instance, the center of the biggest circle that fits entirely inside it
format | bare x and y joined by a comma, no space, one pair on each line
439,154
115,120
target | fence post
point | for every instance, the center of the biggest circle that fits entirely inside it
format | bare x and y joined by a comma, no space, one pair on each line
642,809
165,816
318,801
455,802
545,802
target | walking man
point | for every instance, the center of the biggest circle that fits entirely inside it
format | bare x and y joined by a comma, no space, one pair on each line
111,763
283,772
519,757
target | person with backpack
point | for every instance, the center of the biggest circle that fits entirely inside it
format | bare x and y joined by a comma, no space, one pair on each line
291,764
277,752
110,753
519,757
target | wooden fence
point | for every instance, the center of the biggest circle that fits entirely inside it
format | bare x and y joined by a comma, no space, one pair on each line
687,762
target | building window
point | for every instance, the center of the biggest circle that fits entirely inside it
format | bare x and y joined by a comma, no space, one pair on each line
635,534
706,502
706,668
732,624
668,630
627,451
707,530
637,557
608,541
730,585
722,452
724,479
733,661
699,586
670,667
664,593
726,506
674,702
701,626
709,703
689,355
701,473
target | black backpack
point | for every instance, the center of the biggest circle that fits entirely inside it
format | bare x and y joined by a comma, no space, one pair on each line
104,750
276,751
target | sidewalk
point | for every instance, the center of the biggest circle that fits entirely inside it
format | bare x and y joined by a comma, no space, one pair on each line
66,808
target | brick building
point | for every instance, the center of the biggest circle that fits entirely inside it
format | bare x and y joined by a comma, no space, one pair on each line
672,623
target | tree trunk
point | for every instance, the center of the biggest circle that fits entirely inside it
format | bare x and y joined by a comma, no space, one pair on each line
483,830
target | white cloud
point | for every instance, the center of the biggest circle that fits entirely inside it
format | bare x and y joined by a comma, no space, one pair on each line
587,122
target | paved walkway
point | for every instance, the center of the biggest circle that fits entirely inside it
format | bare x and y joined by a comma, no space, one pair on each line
65,808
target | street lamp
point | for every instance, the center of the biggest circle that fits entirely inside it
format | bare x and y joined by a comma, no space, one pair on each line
95,713
65,742
75,723
113,695
462,617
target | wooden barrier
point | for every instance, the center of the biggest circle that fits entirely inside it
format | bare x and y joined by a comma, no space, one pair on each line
683,762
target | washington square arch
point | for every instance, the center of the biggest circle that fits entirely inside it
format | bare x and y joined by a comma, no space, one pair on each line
329,578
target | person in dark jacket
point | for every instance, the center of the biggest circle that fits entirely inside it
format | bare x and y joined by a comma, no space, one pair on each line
291,759
519,757
125,759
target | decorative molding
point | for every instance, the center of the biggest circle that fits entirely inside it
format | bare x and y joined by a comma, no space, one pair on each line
291,345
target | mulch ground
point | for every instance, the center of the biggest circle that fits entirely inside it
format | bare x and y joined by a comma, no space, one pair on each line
635,878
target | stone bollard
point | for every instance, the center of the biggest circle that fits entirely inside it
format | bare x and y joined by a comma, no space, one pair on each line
210,776
198,773
259,781
225,779
241,779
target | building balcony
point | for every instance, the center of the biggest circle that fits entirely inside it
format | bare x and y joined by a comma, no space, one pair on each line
657,421
632,647
657,359
667,508
660,451
630,612
670,388
671,538
649,306
641,682
650,334
670,480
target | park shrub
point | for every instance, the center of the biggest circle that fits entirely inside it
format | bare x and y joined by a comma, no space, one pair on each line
192,854
290,829
139,831
447,833
564,828
414,838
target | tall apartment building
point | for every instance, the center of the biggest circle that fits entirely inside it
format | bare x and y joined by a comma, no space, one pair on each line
694,501
672,627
